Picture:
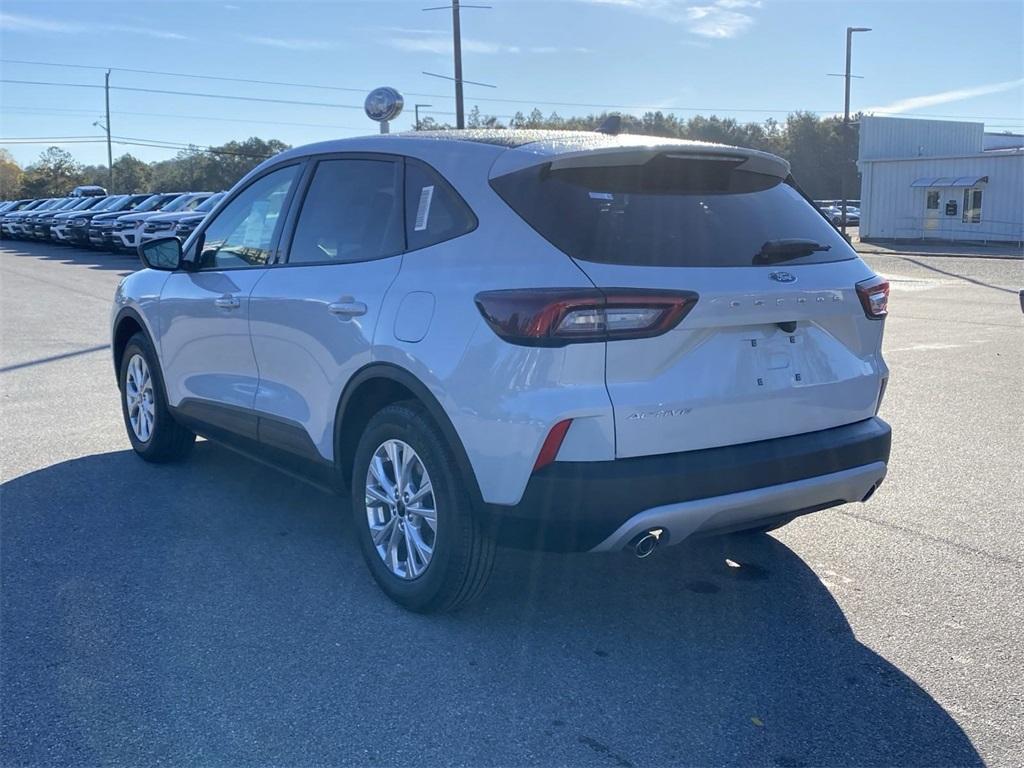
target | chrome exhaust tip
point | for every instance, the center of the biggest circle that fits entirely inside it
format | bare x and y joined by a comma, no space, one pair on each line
645,544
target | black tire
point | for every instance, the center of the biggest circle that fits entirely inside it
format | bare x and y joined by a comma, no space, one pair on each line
168,440
463,554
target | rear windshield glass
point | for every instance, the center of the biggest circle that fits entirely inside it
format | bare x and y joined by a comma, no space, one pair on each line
667,212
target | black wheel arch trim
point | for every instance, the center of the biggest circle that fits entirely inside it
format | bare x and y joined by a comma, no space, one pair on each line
122,314
399,375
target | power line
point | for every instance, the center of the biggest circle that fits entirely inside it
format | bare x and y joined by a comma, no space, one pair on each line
85,112
187,93
48,138
185,146
315,86
496,100
130,141
196,148
205,95
15,142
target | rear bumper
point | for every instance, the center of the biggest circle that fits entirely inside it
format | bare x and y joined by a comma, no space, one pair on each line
578,506
749,509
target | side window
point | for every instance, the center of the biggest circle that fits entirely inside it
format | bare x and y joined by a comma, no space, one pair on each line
434,212
933,200
243,232
352,212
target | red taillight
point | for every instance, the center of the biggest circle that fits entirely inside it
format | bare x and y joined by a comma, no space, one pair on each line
554,317
874,297
552,443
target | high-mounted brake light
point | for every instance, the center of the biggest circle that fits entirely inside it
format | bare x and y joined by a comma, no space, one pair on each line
874,297
554,317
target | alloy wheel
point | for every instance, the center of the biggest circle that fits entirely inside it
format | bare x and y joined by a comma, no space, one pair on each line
139,397
401,509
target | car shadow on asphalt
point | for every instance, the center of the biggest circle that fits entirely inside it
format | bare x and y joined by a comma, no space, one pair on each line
214,611
93,259
957,275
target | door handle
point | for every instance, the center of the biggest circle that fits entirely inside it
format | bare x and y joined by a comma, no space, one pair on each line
346,309
227,302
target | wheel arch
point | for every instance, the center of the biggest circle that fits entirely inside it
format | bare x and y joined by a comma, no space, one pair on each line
127,324
380,384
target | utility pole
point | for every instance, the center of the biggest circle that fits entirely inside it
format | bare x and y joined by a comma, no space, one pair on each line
416,109
110,152
846,120
460,116
460,112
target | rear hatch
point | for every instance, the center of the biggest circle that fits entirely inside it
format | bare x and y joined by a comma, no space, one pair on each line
778,342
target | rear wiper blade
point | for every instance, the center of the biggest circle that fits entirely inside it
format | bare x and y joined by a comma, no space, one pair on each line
776,251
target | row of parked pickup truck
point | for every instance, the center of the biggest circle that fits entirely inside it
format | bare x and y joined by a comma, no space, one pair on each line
109,222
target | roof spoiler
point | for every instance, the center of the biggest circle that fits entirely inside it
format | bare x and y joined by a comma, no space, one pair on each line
749,160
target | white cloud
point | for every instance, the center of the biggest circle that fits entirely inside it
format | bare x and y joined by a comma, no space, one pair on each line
9,21
945,97
738,3
429,41
718,19
290,43
439,41
16,23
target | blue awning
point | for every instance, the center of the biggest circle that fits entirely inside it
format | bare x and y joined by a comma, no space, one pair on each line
950,181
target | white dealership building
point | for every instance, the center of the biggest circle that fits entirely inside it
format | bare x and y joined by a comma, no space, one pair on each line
936,179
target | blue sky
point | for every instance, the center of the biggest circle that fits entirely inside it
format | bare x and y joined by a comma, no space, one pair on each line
748,59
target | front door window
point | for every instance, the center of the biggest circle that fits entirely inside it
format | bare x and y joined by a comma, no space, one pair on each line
244,231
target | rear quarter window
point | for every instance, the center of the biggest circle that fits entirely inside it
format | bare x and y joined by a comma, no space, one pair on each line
667,212
434,211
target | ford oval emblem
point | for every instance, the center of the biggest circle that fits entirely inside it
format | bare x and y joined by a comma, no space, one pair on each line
783,277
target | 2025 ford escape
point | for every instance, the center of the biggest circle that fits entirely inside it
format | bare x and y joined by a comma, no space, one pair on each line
549,339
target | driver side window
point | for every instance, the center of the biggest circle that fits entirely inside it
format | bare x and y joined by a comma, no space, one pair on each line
243,233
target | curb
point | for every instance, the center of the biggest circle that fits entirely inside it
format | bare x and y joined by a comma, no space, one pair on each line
910,248
1002,257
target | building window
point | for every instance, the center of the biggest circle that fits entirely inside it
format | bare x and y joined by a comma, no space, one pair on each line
933,200
972,206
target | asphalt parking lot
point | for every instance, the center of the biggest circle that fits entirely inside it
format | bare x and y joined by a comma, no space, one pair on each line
216,613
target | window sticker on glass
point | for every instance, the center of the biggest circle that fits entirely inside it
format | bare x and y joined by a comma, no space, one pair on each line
602,196
423,209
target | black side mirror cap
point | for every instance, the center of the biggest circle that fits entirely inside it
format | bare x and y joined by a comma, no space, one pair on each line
163,254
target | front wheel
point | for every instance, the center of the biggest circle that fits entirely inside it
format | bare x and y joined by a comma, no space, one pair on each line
415,522
152,430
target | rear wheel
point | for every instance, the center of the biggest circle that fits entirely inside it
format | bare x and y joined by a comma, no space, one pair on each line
415,522
153,432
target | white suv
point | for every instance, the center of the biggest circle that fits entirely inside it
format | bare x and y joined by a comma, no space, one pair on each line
548,339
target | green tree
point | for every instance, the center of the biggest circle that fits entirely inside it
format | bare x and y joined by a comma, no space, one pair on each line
131,175
10,176
53,175
96,175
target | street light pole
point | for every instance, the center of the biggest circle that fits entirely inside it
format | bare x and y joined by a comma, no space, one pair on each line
110,153
846,120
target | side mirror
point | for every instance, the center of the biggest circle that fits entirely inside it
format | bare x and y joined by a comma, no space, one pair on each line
163,254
